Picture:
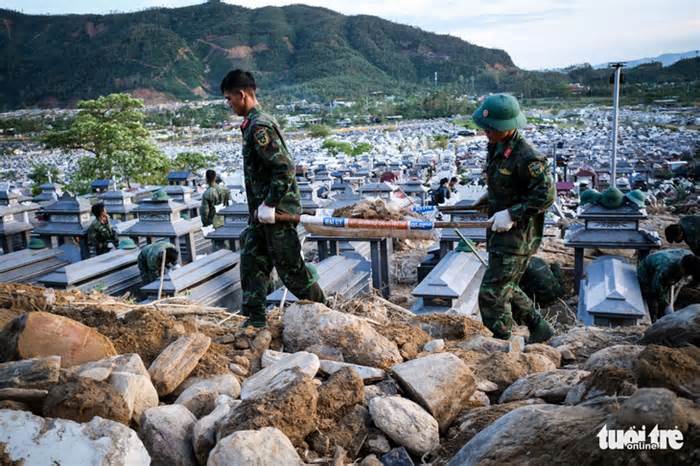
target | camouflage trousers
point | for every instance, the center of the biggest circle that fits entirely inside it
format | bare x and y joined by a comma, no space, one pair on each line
264,247
501,301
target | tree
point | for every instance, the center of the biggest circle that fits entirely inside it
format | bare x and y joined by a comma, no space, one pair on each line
319,131
41,174
193,161
361,148
111,130
335,147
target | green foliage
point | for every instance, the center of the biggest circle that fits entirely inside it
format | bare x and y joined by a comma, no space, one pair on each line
40,175
193,161
318,131
336,147
361,148
111,129
440,141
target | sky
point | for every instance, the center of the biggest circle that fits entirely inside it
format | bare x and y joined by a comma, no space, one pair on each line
537,35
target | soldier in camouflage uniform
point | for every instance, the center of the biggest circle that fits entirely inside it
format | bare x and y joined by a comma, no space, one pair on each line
214,195
270,186
688,230
658,272
151,257
520,189
100,233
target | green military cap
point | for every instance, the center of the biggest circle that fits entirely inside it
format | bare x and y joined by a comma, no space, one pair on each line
127,243
590,196
637,198
160,195
36,243
611,198
500,112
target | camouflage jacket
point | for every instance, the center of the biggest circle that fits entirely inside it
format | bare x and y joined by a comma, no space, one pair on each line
214,195
100,235
659,271
691,232
518,180
149,260
268,167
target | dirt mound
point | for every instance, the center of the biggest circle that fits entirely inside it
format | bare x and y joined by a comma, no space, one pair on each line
409,338
82,398
674,368
451,327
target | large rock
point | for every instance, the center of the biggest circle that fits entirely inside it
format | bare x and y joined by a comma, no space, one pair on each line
30,373
603,382
290,406
545,350
485,344
620,356
368,374
129,377
167,433
582,342
405,423
470,423
41,334
176,361
441,383
80,399
674,368
267,446
677,329
204,432
550,386
200,397
310,324
34,441
348,432
259,383
537,434
505,368
656,407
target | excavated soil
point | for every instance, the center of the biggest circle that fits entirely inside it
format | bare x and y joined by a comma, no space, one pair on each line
408,337
674,368
451,327
83,398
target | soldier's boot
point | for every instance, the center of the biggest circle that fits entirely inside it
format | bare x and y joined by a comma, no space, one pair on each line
255,320
500,328
315,293
540,329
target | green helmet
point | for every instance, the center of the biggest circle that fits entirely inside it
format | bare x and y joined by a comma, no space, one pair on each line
500,112
611,198
36,243
637,198
160,195
590,196
127,243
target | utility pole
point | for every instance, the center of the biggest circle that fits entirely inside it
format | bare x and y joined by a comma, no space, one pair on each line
617,76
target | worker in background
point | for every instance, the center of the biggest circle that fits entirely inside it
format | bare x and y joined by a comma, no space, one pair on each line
150,260
442,193
271,187
688,230
452,185
520,190
215,195
660,271
100,232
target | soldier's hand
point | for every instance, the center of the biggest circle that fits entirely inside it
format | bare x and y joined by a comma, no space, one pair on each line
501,221
266,214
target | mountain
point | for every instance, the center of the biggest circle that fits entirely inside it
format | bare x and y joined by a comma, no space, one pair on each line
666,59
184,53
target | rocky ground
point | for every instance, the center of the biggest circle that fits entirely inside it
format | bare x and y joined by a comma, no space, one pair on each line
92,380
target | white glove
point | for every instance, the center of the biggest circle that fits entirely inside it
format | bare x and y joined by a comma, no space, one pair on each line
501,221
266,214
